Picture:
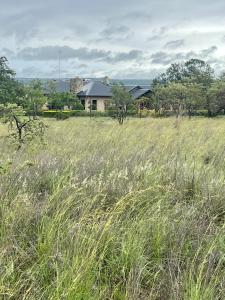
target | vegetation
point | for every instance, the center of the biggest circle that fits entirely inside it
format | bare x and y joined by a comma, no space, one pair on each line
109,212
34,99
11,91
22,129
121,99
188,87
101,211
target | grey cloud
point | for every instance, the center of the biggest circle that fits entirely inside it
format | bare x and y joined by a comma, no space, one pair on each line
209,51
121,27
82,66
112,31
7,52
166,58
125,56
51,53
158,34
137,15
174,44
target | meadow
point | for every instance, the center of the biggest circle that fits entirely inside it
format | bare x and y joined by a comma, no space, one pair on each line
103,211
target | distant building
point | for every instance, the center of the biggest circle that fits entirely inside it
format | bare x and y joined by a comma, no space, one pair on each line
93,92
99,94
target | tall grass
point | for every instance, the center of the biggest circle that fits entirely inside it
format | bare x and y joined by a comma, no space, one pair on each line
104,211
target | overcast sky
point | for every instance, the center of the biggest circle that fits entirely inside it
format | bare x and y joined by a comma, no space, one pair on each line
118,38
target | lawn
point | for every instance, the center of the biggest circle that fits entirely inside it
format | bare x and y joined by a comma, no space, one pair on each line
103,211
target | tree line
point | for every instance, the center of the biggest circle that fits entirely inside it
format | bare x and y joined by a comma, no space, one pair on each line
189,87
185,88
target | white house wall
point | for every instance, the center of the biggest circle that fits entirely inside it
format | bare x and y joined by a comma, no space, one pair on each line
100,103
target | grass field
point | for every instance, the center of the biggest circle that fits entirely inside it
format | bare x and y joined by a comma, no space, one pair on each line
104,211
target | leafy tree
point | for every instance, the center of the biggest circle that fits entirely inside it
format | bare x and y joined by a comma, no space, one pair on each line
216,97
120,100
10,89
77,105
195,98
174,73
173,95
193,72
60,100
198,71
23,129
35,98
179,97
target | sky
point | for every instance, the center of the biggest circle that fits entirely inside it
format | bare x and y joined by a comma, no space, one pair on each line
115,38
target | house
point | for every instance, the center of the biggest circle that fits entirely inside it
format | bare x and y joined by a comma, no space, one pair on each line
95,92
99,94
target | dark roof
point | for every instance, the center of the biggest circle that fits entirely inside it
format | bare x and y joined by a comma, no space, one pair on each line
129,87
101,89
139,93
61,86
96,89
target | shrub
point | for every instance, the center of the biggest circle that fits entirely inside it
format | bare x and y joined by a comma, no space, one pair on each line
78,106
62,115
65,114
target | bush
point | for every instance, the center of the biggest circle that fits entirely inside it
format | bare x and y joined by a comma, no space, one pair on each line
65,114
78,106
62,115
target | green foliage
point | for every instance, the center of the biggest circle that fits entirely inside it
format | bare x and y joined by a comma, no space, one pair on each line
121,99
111,112
11,91
120,96
60,100
62,115
216,97
77,105
22,129
35,98
194,70
191,81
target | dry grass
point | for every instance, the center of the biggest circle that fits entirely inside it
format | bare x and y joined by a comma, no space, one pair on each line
104,211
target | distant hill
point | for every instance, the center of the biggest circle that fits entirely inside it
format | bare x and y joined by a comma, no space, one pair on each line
142,82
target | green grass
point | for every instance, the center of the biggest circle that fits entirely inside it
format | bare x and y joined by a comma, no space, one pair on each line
104,211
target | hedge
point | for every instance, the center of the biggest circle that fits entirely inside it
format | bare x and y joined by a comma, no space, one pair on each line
65,114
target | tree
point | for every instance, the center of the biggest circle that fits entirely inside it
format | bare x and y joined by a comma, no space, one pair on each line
120,100
171,95
35,98
10,89
22,129
174,73
198,71
195,98
193,71
216,97
60,100
179,96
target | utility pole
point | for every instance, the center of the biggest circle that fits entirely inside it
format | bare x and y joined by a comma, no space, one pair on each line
59,65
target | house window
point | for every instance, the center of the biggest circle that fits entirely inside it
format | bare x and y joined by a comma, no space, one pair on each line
94,104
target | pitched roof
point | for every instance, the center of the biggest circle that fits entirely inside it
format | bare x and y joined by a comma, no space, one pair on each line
96,89
101,89
61,86
139,93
